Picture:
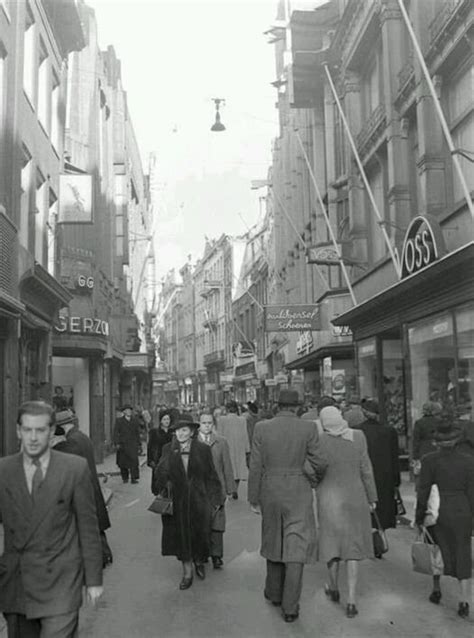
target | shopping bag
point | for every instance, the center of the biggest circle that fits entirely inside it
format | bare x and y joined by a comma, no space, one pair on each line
379,537
401,509
163,504
426,555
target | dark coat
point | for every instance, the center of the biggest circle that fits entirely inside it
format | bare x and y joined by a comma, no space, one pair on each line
52,547
453,473
197,494
157,439
80,444
278,483
127,440
423,432
382,444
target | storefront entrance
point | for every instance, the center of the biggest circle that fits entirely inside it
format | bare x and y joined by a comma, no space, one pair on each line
72,374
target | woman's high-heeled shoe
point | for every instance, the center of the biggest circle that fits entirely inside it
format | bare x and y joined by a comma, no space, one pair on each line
332,594
435,596
463,610
186,583
351,610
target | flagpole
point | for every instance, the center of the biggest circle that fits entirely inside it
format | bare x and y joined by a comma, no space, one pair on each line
326,217
381,220
439,110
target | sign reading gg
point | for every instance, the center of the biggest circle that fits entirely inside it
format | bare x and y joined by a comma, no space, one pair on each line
423,245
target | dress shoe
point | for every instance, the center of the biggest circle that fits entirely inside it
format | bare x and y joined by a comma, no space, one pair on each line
186,583
217,562
351,611
333,594
290,617
273,602
200,571
463,610
235,496
435,596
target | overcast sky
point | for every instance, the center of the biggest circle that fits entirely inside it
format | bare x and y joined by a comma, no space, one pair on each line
176,56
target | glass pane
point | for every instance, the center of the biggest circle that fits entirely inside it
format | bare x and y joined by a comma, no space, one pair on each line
465,381
393,389
432,361
367,359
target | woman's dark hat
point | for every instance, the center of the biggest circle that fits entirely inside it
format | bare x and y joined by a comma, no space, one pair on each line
64,417
447,433
184,420
126,406
288,397
370,405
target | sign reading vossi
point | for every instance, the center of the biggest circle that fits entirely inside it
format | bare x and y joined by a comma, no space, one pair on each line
292,318
423,245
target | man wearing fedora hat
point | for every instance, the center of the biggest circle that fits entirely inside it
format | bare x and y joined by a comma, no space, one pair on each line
127,442
280,491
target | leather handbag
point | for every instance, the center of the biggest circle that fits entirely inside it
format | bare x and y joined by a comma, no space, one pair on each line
379,537
163,504
426,556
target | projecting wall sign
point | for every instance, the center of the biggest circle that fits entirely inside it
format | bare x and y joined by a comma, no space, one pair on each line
422,246
292,318
83,325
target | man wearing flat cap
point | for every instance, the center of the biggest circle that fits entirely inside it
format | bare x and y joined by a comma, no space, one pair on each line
279,489
127,442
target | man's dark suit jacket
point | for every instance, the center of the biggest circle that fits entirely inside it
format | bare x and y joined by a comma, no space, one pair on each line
52,548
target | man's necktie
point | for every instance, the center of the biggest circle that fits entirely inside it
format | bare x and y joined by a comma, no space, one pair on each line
37,479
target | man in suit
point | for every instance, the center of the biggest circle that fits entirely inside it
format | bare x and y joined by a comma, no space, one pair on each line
76,442
280,491
127,441
52,542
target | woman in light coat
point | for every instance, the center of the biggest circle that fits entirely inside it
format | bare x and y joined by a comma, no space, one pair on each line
223,465
345,498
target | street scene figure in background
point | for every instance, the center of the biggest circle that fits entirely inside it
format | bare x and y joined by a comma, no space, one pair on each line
423,435
223,465
280,490
159,436
354,415
382,444
234,429
345,497
453,472
46,500
127,442
187,469
252,419
60,402
76,442
313,414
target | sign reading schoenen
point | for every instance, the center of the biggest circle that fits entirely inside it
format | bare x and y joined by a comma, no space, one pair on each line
292,318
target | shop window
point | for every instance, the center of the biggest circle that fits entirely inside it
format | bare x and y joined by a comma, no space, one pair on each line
40,217
367,364
461,115
26,176
52,229
44,93
432,362
464,390
55,115
393,388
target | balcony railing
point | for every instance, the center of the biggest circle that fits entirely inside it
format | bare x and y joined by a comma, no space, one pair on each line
405,73
443,17
372,129
218,356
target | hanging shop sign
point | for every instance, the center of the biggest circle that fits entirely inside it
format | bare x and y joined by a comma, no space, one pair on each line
83,325
341,331
324,254
75,199
423,245
292,318
305,343
271,383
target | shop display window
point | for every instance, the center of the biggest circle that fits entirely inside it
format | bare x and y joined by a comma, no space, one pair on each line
367,363
432,361
393,384
464,389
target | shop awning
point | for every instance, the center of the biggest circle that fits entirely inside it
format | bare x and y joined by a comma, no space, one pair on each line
432,288
311,360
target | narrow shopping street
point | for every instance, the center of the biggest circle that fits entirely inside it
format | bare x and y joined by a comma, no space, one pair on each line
142,598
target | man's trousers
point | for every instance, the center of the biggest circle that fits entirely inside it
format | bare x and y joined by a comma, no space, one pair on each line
63,626
217,544
283,585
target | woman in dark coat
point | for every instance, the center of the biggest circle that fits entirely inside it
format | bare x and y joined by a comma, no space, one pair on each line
186,466
423,433
382,445
158,437
453,472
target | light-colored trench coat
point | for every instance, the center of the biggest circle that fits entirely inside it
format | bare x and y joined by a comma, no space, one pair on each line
234,429
223,465
278,483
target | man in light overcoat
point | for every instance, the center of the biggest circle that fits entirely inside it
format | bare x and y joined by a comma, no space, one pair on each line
52,542
280,490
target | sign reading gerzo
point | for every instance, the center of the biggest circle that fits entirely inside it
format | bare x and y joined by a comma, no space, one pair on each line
292,318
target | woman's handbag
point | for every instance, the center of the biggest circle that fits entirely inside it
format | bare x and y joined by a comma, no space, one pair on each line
426,556
401,509
379,537
432,507
162,504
